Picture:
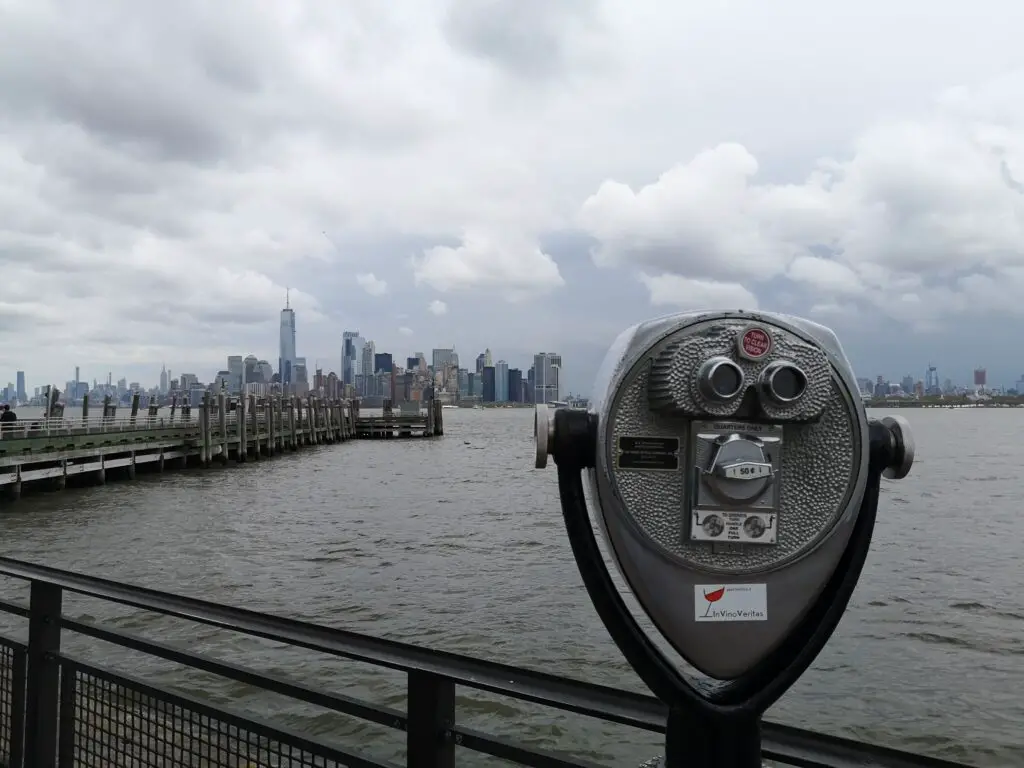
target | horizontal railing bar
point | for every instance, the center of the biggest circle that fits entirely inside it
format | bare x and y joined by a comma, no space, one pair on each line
506,750
143,420
72,420
14,645
257,725
6,606
597,701
387,716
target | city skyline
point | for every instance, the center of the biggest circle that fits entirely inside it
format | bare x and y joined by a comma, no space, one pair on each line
931,380
363,371
966,380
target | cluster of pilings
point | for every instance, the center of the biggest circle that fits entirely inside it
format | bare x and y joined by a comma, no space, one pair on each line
409,421
248,427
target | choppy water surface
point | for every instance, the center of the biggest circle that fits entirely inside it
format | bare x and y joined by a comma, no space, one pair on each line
457,544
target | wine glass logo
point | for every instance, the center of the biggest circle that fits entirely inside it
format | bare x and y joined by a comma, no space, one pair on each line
713,597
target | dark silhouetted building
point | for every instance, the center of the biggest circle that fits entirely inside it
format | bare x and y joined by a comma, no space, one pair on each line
515,385
488,376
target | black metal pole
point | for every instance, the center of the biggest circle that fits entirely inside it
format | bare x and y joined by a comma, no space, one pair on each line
697,738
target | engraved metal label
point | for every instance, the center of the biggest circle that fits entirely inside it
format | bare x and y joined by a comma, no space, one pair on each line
730,526
658,454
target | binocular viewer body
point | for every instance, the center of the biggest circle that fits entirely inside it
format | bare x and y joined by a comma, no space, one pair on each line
736,476
731,461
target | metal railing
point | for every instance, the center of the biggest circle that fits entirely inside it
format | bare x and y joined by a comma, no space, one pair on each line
62,710
70,426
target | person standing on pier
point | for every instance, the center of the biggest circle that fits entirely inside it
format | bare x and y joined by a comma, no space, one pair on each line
7,416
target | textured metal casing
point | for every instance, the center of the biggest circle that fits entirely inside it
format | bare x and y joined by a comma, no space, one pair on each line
641,513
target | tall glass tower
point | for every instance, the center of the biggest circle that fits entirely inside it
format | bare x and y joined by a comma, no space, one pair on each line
349,353
286,361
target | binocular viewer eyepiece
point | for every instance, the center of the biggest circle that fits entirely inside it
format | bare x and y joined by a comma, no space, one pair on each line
735,475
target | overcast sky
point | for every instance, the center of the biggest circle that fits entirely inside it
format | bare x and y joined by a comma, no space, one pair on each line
522,175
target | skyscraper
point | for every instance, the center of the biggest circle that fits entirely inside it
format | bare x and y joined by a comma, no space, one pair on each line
488,384
501,382
515,385
444,357
348,356
286,360
547,368
236,367
366,369
20,386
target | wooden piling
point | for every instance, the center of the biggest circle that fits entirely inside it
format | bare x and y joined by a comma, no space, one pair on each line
85,411
222,424
135,407
287,423
243,437
275,422
268,416
254,415
205,421
202,440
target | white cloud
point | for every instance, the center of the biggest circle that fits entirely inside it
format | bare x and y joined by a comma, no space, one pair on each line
925,217
684,293
371,284
405,331
195,168
514,267
437,307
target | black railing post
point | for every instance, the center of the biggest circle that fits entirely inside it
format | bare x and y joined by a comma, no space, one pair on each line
66,737
429,742
18,689
43,690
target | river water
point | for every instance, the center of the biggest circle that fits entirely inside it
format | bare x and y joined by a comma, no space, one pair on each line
457,543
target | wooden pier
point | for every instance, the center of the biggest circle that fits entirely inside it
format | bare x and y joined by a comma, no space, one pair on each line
94,448
390,425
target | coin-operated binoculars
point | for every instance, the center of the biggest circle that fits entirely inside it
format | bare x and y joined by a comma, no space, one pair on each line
736,477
